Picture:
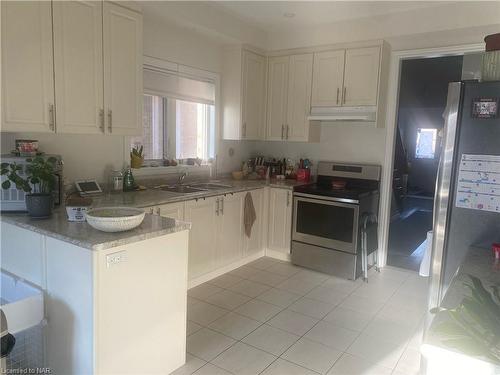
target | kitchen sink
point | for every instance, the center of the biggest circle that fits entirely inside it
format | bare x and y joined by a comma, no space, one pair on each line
183,189
210,186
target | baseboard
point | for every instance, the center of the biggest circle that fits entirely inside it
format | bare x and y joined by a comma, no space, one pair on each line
278,255
220,271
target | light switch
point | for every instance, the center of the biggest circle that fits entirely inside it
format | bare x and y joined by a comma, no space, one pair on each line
115,258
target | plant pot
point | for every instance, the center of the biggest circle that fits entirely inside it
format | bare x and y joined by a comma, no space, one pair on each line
136,162
39,205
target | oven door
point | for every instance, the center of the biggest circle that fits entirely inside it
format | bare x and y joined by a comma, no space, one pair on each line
325,222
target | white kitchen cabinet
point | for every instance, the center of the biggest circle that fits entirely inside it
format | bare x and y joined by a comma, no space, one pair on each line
122,40
328,78
254,243
280,220
277,97
299,97
78,67
172,210
361,76
346,77
201,214
243,91
27,67
230,230
289,99
254,99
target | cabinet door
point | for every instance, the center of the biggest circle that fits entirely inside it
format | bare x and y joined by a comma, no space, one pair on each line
280,220
27,67
172,210
328,78
230,233
361,76
254,96
202,236
276,97
299,97
122,70
253,243
78,66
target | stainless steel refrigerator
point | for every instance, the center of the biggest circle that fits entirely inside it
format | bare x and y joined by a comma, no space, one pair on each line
467,200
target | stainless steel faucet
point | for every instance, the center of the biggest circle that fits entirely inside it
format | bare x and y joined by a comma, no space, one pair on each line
182,177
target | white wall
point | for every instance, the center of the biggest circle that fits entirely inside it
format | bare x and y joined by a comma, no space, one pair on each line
348,142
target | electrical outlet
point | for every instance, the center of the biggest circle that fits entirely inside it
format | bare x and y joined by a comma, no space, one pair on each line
115,258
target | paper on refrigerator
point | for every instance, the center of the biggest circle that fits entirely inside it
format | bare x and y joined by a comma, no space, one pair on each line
478,186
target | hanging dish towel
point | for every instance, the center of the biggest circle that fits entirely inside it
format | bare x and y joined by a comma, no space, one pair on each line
249,215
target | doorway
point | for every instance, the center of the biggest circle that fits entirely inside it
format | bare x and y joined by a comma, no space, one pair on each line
423,90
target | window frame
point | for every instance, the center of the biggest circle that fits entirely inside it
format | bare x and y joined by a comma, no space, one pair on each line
166,66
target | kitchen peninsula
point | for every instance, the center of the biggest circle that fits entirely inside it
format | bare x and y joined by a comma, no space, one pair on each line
114,302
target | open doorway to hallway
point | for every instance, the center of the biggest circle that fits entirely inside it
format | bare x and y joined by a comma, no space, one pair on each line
423,90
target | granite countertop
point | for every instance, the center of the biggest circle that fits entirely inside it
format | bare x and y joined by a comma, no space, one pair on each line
479,262
154,197
83,235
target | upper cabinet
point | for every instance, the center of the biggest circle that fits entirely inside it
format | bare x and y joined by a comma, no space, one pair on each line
94,84
122,30
289,98
277,97
254,90
361,76
244,94
79,66
328,78
27,67
346,77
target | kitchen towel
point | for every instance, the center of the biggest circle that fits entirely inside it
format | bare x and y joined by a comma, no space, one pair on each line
249,215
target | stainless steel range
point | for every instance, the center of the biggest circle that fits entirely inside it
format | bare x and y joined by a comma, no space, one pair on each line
334,217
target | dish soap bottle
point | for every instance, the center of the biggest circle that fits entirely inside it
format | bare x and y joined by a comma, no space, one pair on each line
128,180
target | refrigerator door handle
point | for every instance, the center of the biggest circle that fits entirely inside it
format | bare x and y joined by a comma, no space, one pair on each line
443,194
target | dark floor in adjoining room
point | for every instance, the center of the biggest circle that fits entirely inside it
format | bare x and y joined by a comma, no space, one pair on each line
408,232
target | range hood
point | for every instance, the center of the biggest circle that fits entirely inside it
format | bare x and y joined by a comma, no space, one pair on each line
366,113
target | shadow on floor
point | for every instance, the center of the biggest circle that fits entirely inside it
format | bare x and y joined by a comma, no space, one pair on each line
407,234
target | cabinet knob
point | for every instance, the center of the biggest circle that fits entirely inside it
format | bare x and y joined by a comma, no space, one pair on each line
157,210
338,94
287,131
344,96
101,119
282,131
217,207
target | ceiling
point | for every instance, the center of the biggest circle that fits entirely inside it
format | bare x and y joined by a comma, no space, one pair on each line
272,16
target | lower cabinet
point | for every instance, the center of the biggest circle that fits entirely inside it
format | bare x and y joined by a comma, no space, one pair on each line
230,229
173,210
203,235
280,220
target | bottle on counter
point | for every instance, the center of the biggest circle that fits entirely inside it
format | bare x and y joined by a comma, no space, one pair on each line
128,180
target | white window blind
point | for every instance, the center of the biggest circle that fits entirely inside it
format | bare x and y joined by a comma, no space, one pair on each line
175,85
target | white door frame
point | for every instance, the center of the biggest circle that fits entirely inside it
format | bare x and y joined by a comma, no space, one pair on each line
392,111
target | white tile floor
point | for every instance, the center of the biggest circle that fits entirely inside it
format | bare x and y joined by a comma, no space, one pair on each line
270,317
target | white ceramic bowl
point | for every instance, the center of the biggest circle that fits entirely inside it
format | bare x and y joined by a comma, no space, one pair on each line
115,219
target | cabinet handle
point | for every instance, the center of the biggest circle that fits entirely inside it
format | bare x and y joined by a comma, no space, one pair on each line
344,96
282,131
217,209
110,120
222,206
51,117
287,129
151,210
287,198
157,210
338,94
101,119
244,129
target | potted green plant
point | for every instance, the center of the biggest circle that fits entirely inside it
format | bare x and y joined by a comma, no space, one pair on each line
38,182
136,157
474,326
